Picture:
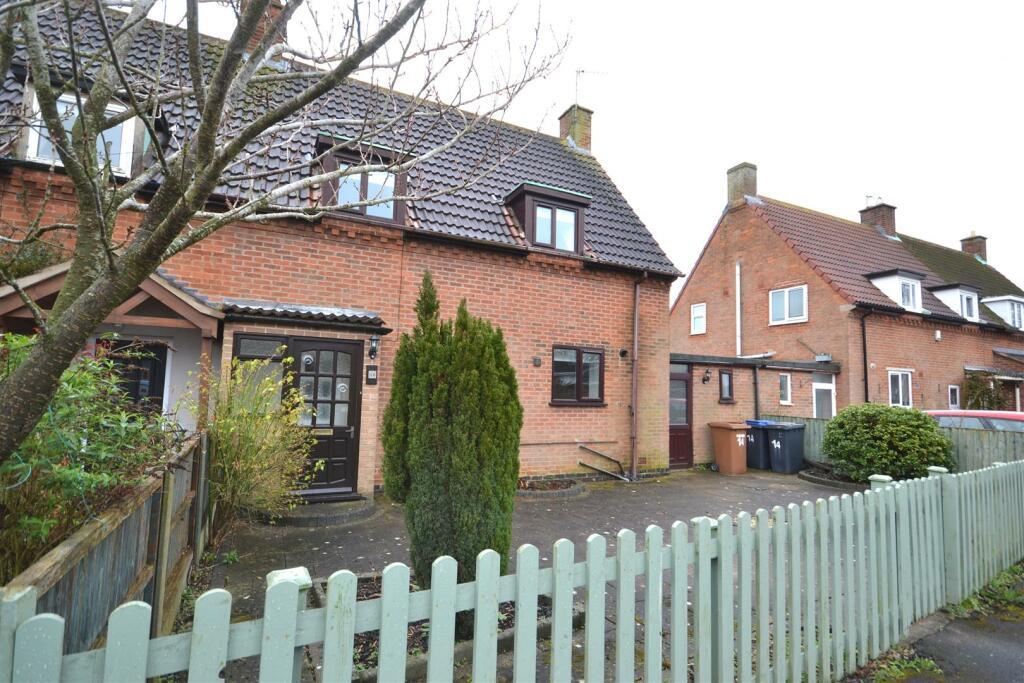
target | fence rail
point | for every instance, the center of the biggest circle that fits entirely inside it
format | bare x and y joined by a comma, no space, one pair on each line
972,448
142,548
805,592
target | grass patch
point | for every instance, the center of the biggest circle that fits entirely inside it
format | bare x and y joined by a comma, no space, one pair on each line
1004,594
901,669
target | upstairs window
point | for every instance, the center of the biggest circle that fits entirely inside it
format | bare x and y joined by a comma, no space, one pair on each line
969,305
910,295
114,143
1017,314
698,318
787,305
379,187
577,375
551,217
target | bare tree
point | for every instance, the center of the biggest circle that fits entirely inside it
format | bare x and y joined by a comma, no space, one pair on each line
207,110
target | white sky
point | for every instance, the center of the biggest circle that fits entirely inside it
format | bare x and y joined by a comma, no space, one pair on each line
917,102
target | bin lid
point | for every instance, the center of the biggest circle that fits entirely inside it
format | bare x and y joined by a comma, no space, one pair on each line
784,426
729,425
761,423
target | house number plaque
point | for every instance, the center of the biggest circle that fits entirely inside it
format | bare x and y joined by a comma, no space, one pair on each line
371,375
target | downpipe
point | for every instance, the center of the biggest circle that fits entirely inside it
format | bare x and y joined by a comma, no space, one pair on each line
635,369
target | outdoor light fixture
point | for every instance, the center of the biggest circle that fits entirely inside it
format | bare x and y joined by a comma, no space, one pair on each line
374,345
707,376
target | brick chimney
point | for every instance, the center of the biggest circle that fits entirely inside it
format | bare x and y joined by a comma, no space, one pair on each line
742,181
269,17
975,244
881,216
575,124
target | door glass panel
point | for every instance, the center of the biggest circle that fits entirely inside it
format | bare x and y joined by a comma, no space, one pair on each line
306,414
323,414
678,389
306,387
323,388
326,362
307,361
679,368
344,363
341,415
341,389
823,403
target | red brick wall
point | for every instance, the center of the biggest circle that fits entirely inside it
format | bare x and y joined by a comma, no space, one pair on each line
537,300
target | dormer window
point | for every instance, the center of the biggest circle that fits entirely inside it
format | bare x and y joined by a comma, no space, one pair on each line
115,144
960,298
1009,308
969,305
910,294
902,286
378,186
552,217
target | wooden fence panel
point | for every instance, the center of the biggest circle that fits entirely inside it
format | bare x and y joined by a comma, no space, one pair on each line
837,580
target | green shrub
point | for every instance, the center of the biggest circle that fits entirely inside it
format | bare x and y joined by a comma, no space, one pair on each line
874,439
260,452
90,448
451,438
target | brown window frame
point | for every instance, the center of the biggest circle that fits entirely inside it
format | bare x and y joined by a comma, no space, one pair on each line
578,401
722,398
553,207
331,163
524,200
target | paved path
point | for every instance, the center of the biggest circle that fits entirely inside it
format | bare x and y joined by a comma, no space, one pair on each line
372,544
980,649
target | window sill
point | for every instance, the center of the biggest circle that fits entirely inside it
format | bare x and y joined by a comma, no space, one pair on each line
727,401
577,404
785,403
796,321
697,334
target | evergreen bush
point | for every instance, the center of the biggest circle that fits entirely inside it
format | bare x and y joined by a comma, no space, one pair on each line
451,437
874,439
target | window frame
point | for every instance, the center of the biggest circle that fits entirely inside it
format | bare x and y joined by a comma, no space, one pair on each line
915,287
910,386
329,193
1017,315
578,401
554,208
788,401
830,387
787,319
523,202
949,396
971,297
703,306
36,124
722,397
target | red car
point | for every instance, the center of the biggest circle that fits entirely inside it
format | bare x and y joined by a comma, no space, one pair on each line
999,420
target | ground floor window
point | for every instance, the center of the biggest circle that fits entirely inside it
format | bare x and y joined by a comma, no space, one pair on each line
726,393
823,386
900,388
143,370
577,375
785,389
954,396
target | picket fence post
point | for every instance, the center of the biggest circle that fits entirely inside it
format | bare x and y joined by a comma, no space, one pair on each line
16,607
300,577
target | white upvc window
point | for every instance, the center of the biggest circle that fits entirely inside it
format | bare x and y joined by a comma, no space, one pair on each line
787,305
910,294
969,305
698,318
785,389
954,396
1017,314
118,140
901,388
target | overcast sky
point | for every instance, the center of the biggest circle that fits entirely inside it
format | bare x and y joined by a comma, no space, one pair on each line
919,103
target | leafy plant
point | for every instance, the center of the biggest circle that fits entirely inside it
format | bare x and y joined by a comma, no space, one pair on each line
902,669
260,452
873,439
451,437
91,447
984,391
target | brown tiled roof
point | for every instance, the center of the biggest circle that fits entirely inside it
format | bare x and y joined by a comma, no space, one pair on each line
613,235
844,252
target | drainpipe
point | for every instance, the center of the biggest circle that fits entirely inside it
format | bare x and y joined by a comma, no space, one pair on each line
864,348
739,314
634,378
757,399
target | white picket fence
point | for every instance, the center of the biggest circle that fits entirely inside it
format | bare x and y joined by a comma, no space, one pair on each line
807,592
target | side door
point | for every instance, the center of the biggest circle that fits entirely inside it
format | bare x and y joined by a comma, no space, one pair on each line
680,416
328,376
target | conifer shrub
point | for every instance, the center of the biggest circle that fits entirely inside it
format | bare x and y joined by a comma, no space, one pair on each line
874,439
451,437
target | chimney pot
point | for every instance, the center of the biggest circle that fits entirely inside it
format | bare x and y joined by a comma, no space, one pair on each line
273,10
742,181
881,216
975,244
574,124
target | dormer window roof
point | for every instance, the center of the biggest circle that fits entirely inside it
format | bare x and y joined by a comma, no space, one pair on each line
553,217
901,285
1009,307
961,298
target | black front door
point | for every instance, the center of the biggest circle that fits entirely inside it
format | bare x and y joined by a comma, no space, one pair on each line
329,379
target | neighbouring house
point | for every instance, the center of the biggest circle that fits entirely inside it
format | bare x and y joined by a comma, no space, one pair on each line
546,247
790,311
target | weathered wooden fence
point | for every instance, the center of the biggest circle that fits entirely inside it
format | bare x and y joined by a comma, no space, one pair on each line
805,592
140,549
972,448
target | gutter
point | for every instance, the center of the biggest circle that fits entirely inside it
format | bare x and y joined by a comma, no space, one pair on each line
634,391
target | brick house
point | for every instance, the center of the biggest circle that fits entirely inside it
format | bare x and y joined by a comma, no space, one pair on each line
546,247
790,311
